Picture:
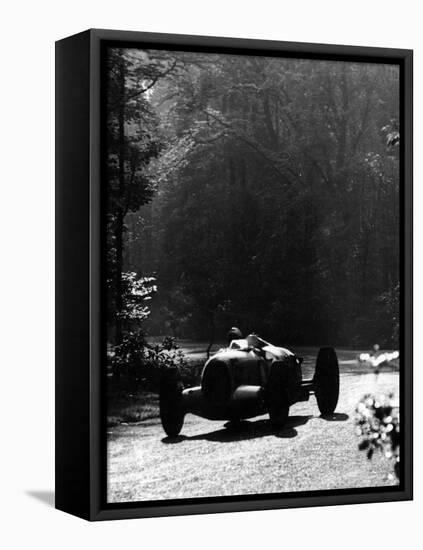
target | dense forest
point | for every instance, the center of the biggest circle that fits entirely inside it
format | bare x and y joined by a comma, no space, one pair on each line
252,191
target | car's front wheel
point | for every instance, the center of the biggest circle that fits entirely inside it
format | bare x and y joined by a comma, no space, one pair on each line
171,404
326,381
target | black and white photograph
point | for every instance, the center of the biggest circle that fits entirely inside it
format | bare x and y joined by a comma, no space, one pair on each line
210,234
251,274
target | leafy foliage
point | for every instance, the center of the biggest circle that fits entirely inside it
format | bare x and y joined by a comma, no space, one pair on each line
139,362
132,141
389,304
136,362
263,192
135,293
378,425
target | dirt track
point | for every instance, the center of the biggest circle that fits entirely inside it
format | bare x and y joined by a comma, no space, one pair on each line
310,453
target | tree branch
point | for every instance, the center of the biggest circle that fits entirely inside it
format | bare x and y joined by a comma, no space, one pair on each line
255,147
146,88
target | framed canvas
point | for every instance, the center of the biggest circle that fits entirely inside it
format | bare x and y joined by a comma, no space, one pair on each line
234,274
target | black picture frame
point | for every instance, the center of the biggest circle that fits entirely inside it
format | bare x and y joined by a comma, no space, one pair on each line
80,425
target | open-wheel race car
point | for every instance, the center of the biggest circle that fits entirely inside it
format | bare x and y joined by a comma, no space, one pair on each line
249,378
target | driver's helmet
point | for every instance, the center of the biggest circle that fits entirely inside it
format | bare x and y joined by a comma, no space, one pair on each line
234,334
254,341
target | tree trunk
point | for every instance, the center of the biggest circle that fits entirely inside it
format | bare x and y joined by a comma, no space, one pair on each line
120,214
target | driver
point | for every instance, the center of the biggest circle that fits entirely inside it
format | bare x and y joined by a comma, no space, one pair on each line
252,342
234,334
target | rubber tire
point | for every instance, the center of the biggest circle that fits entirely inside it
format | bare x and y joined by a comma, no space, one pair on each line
326,381
276,395
172,412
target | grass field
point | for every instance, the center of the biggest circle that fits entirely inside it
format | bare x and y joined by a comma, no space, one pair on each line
123,408
207,459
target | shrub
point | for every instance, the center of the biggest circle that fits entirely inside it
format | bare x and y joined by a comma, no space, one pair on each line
135,362
377,423
138,364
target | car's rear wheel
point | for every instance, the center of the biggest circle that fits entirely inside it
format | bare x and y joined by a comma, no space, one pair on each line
326,381
277,397
171,406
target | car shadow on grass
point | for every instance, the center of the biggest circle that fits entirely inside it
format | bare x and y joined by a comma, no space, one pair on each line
335,417
245,430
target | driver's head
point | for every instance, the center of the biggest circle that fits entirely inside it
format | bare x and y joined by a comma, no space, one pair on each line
234,334
253,341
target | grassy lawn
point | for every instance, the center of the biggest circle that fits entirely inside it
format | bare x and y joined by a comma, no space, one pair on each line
310,453
129,408
126,408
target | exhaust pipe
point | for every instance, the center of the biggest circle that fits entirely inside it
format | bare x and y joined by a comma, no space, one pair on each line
245,402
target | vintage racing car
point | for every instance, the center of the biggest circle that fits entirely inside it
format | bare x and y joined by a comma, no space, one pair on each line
249,378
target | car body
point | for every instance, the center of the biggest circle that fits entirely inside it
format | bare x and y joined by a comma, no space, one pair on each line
249,378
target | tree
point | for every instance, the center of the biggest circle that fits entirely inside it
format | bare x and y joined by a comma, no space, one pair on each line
132,141
275,196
